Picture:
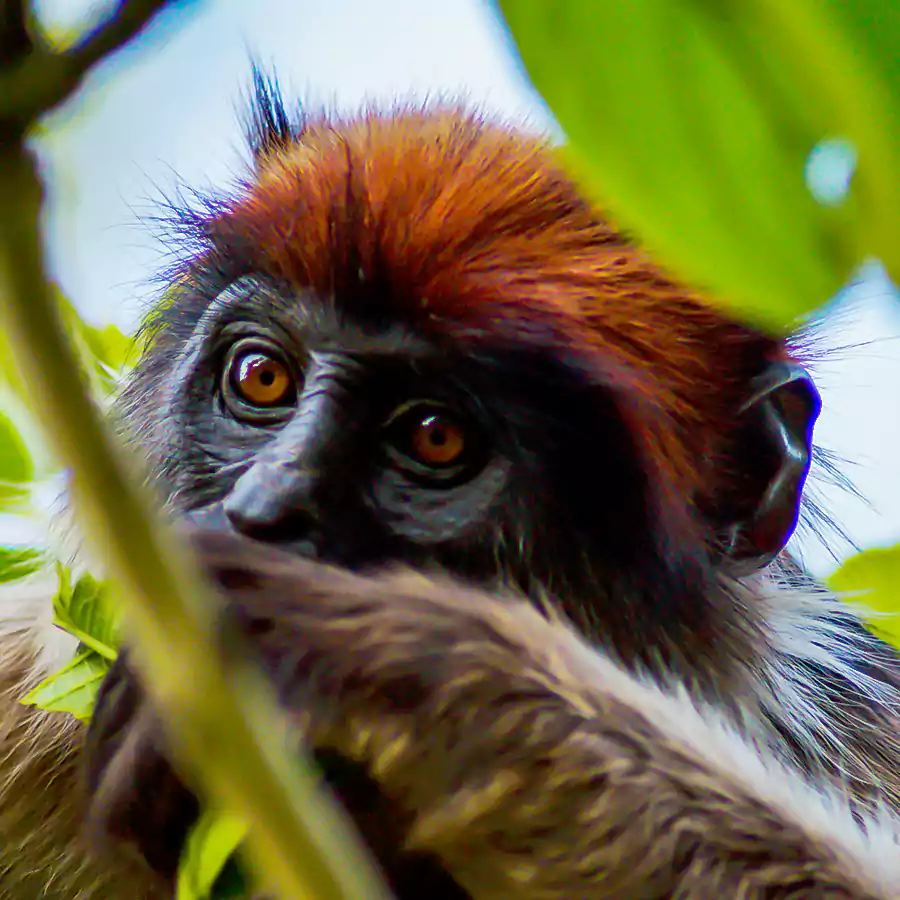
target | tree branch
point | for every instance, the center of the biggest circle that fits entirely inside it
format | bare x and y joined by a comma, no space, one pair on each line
15,41
42,79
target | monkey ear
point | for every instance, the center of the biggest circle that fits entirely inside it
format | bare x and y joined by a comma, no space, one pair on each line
777,430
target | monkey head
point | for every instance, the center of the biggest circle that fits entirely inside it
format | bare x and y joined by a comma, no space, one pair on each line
409,338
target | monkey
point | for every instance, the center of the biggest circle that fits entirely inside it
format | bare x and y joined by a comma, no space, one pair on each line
502,506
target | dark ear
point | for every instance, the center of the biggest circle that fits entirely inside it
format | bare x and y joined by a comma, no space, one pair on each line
775,452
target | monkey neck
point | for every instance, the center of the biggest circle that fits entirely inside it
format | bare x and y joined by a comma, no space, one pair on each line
796,670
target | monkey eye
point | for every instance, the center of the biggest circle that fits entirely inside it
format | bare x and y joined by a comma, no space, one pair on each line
432,442
256,382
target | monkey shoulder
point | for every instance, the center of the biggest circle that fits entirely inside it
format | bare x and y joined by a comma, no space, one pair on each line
43,853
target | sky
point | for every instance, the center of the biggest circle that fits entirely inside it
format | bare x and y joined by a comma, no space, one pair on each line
165,114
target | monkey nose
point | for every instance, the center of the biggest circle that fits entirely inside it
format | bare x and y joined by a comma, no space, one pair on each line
272,502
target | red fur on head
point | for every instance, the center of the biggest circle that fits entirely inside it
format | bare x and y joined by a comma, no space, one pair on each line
462,226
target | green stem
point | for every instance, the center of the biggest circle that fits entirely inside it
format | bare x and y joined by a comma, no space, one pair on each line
220,715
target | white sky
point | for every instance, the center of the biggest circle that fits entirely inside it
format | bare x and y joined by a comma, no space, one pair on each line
168,116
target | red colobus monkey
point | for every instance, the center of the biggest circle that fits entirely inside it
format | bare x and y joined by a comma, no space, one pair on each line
503,506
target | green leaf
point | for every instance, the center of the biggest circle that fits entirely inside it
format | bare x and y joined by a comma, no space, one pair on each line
74,688
104,351
16,466
104,355
871,29
19,562
208,870
874,576
87,612
694,121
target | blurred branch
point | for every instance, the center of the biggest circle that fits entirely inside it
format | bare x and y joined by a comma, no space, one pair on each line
15,41
41,79
222,721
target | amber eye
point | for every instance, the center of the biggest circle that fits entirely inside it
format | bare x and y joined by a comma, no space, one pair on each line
437,440
260,379
432,443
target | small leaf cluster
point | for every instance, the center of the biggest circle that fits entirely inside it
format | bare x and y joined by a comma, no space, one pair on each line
84,610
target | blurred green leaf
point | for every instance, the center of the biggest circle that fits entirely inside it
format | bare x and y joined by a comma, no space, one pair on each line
9,373
104,352
16,466
208,870
111,346
74,688
874,576
87,612
19,562
875,26
694,120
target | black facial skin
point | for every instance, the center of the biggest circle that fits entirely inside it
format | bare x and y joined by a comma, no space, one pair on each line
325,475
329,473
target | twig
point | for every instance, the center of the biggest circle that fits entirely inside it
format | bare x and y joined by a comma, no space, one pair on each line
15,41
42,79
300,837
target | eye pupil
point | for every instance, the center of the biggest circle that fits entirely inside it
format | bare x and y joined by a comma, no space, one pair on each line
438,441
435,444
437,434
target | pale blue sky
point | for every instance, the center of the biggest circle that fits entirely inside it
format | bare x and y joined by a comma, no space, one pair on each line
167,114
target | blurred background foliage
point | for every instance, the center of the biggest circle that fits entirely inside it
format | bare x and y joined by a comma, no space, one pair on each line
717,130
753,145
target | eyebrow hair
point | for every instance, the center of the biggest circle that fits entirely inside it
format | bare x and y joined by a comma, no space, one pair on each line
301,311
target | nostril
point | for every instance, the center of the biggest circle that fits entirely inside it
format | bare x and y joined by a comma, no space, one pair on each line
288,527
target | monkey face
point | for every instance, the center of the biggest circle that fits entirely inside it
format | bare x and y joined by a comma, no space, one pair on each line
339,440
360,441
356,438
